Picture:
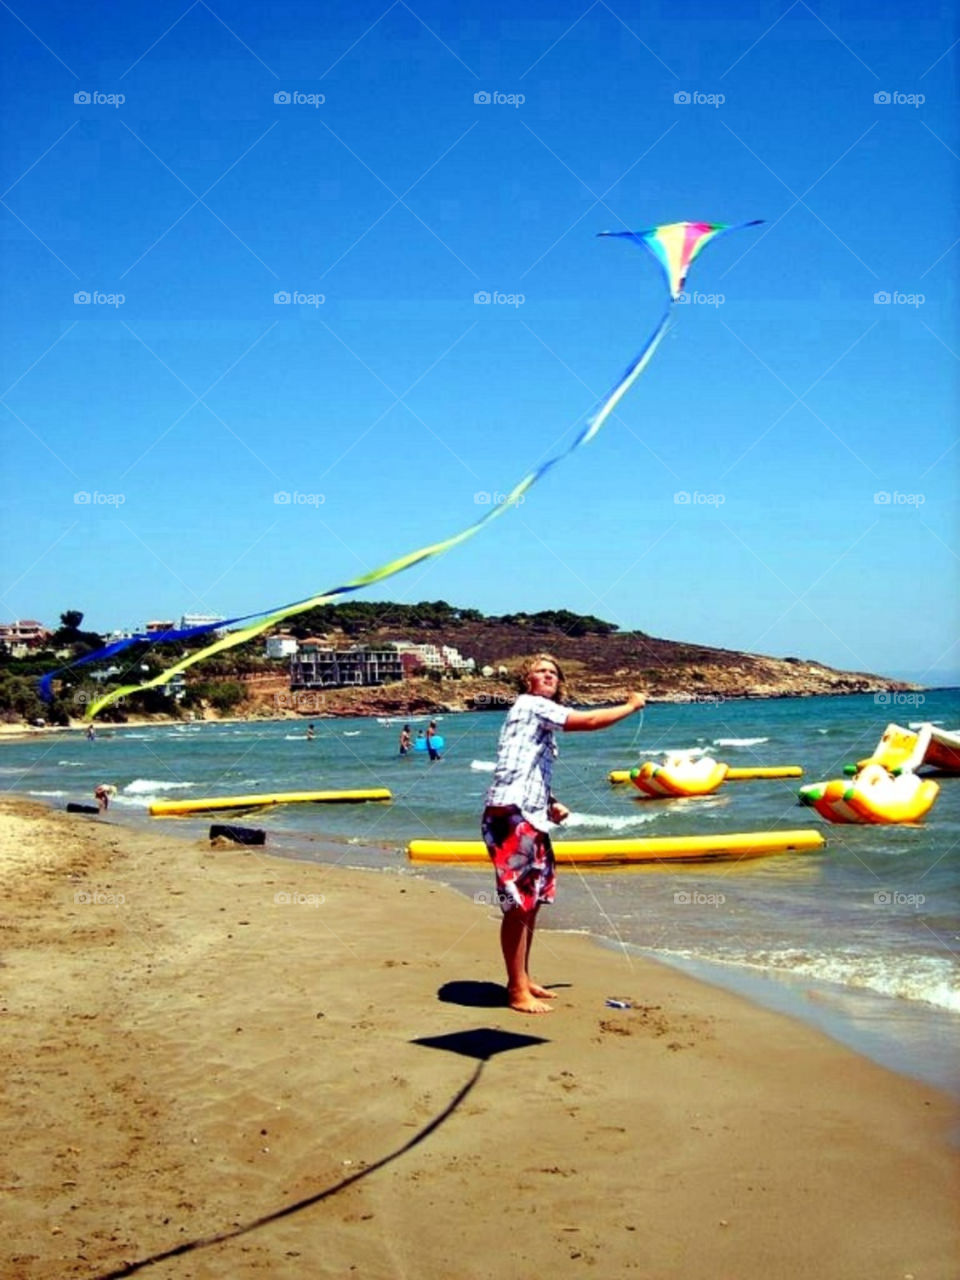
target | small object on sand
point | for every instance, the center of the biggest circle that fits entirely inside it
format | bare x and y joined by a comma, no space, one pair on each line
618,1004
239,835
82,808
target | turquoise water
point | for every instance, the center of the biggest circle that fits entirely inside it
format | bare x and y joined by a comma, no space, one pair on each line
873,917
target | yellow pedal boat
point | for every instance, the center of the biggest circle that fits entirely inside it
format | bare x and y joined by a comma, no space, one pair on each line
679,776
873,796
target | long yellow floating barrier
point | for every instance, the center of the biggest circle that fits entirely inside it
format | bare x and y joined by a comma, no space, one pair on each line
736,775
749,844
764,771
172,808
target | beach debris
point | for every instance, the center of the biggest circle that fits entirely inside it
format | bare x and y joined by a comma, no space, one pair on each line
238,835
618,1004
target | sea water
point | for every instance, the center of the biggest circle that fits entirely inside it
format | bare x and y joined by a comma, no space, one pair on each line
864,935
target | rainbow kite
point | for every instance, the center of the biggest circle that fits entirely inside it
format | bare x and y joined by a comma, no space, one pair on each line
674,245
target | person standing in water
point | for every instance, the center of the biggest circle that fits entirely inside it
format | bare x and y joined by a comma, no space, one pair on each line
310,733
519,808
102,795
431,735
406,742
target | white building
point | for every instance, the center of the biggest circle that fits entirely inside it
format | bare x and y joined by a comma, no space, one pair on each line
281,646
455,660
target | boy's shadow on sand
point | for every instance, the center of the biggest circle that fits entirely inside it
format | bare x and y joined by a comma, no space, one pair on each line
481,995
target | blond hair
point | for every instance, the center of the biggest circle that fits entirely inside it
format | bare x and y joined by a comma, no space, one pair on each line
531,662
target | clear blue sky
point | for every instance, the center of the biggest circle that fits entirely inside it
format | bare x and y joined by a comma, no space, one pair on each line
795,400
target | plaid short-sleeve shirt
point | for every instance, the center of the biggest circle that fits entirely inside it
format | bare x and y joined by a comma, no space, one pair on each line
525,757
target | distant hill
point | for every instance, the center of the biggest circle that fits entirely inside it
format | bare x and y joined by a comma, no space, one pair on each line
601,662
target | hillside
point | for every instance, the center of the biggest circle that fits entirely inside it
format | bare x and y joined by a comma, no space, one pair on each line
600,667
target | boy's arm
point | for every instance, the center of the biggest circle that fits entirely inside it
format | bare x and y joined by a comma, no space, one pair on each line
578,721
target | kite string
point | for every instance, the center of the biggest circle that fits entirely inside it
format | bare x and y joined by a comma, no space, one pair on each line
393,567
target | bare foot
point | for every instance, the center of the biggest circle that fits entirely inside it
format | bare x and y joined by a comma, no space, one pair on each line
542,992
525,1002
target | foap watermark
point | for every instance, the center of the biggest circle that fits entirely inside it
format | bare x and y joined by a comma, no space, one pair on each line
698,499
491,898
483,498
693,98
299,700
696,898
93,98
294,98
886,498
296,499
483,298
82,697
84,498
891,698
702,299
297,899
894,898
883,298
94,298
494,700
286,298
493,98
884,98
701,699
99,898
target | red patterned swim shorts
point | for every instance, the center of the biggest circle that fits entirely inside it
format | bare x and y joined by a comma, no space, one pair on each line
522,859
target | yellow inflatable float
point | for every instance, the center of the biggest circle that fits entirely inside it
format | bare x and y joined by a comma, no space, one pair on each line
177,808
616,776
742,844
873,796
679,775
906,749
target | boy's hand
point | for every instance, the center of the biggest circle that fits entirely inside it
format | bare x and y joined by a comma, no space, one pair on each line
558,812
637,701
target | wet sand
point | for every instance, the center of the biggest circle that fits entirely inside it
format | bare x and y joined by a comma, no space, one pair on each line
241,1066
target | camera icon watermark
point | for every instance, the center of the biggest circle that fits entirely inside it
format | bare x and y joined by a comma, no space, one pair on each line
84,498
284,498
85,98
702,299
695,898
297,899
693,98
294,298
682,498
484,498
883,298
99,898
493,700
491,899
88,298
301,701
486,98
895,698
894,898
884,98
484,298
886,498
294,98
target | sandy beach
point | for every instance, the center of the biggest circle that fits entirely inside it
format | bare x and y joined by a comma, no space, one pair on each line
219,1064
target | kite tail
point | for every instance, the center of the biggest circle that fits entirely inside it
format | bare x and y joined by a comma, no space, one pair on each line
593,424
